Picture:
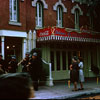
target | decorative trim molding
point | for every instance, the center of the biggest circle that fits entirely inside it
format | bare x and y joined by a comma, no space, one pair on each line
59,3
15,23
76,7
12,33
43,1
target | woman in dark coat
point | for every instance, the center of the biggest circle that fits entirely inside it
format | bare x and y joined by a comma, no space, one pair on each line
74,72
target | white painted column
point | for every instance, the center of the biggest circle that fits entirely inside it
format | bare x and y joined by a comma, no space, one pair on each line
29,41
23,47
34,39
2,47
50,80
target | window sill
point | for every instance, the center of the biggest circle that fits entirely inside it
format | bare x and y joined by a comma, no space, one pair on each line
59,26
38,27
15,23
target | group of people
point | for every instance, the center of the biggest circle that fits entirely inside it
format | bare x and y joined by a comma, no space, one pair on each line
31,65
20,85
76,73
8,66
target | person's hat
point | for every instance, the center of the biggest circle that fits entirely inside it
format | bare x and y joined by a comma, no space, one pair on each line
34,54
27,53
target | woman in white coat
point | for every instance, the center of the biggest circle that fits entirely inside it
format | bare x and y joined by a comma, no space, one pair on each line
81,74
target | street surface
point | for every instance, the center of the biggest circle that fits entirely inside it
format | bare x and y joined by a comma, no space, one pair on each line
60,90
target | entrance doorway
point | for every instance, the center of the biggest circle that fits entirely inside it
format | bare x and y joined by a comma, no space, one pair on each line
13,46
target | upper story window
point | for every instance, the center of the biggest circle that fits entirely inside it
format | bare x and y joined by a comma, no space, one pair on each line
13,5
77,19
60,8
76,10
39,14
59,16
91,22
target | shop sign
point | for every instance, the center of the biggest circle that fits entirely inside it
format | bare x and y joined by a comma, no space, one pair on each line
62,32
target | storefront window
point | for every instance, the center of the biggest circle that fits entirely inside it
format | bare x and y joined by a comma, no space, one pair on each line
52,60
58,59
69,59
64,60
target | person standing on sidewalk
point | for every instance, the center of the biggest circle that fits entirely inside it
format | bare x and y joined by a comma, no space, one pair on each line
35,69
81,74
24,62
12,65
74,72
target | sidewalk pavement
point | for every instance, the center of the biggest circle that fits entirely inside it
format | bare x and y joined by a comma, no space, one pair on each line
60,90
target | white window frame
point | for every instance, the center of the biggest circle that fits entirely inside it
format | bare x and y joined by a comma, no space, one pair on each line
77,14
39,16
59,16
13,13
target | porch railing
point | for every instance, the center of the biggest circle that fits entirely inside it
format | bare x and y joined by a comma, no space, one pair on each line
48,73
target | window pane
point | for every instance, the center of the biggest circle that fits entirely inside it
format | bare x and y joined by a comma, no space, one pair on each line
64,60
58,60
60,13
52,59
77,18
39,14
59,16
10,8
15,4
40,10
15,10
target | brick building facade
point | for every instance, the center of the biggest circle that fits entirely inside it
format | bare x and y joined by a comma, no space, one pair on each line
19,19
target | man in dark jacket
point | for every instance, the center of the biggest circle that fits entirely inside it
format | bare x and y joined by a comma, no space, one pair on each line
25,62
12,65
35,69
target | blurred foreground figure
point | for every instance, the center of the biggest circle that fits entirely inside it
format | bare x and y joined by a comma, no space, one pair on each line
16,86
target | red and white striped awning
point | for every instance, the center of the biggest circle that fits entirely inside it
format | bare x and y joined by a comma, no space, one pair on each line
60,34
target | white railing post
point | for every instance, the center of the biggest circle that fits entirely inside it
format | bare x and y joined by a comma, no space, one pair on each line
49,81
